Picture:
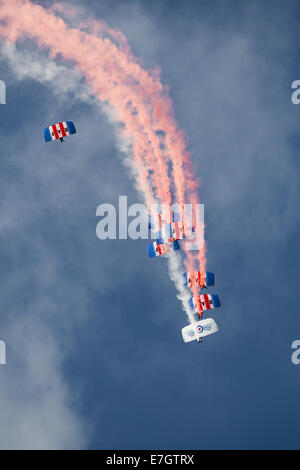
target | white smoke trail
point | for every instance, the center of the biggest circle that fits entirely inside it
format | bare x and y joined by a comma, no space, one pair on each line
175,267
65,83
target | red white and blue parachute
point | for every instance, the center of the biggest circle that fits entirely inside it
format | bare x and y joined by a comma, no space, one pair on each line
157,248
204,302
169,227
157,221
171,232
59,131
198,279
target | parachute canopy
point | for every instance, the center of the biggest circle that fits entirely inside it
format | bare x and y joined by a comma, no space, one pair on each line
198,279
162,249
171,232
156,221
198,330
204,302
59,130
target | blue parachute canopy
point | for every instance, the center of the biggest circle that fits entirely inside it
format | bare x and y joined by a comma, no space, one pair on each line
210,279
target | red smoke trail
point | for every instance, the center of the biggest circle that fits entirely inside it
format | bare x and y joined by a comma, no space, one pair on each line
116,76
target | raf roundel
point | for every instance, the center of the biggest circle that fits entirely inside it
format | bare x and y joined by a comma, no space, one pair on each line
199,328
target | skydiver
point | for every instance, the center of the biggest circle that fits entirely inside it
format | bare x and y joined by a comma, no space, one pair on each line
61,140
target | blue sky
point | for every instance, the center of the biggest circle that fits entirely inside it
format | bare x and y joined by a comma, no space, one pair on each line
94,349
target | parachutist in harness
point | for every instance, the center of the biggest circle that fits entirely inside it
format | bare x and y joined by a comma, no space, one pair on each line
61,140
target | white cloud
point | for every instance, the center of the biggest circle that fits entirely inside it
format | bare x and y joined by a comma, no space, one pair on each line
66,83
35,401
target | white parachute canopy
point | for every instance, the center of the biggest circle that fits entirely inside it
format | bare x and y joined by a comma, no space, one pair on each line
198,330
